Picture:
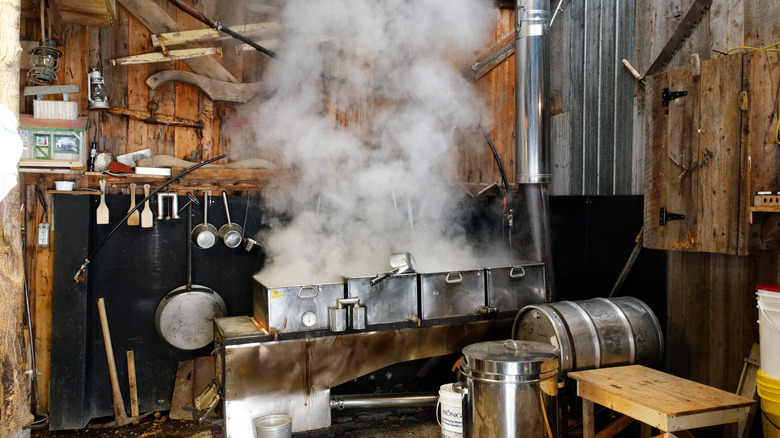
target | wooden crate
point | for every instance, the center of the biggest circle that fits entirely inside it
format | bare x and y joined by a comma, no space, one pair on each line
730,111
53,143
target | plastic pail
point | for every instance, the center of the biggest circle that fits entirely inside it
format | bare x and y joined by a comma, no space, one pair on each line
768,297
450,411
769,391
273,426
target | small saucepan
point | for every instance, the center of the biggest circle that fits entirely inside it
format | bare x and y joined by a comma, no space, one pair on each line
205,235
230,233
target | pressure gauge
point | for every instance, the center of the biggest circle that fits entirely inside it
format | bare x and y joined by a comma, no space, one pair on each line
309,319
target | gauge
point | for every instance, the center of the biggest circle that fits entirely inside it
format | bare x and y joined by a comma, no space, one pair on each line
309,319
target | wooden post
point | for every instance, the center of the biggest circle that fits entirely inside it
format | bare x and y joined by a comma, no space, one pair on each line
15,408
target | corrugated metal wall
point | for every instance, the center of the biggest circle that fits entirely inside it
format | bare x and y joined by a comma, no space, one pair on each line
593,99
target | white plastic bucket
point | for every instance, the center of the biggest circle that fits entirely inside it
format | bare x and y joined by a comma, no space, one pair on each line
449,411
769,328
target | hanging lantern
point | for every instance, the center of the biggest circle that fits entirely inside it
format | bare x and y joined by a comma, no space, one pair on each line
98,99
46,63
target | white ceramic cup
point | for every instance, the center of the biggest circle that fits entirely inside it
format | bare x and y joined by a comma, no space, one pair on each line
64,185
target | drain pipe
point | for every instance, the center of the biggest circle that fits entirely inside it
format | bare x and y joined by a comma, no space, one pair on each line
532,122
378,401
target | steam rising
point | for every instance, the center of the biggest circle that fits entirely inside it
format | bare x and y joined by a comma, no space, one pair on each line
388,181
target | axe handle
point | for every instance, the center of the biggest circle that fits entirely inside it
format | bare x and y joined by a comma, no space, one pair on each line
119,404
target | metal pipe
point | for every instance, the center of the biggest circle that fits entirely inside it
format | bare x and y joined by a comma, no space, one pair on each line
377,401
532,24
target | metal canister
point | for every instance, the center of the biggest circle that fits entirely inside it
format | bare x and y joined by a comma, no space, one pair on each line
512,389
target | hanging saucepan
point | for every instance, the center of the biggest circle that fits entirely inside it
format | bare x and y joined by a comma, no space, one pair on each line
230,233
205,235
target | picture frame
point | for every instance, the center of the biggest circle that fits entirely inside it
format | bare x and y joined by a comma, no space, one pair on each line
66,144
41,146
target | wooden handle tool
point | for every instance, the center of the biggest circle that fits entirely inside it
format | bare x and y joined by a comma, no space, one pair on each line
134,218
101,216
147,218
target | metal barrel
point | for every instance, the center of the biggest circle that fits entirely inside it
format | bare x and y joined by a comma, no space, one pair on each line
595,333
511,389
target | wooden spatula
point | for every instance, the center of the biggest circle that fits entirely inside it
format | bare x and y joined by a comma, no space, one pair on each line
134,218
102,211
147,218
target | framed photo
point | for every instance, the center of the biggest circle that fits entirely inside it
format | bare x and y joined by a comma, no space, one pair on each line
66,144
41,146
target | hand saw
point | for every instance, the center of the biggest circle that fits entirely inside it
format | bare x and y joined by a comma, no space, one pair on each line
683,31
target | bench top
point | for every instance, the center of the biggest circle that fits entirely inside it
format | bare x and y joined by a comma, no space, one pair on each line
656,390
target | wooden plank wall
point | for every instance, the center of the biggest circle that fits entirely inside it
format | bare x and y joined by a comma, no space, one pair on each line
711,302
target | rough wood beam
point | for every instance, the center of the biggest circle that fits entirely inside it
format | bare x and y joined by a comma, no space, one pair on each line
15,410
206,35
157,21
172,55
54,18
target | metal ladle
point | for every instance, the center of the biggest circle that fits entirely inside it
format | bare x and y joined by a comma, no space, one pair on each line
230,233
401,262
205,235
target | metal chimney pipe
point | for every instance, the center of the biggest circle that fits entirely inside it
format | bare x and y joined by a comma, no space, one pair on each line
532,122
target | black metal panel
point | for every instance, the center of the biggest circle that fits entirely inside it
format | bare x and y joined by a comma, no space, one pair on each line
67,393
592,238
135,269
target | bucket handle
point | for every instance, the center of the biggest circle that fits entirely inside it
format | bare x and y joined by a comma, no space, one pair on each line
772,323
517,272
312,288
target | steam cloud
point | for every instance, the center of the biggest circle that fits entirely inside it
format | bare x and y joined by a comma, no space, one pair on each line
389,182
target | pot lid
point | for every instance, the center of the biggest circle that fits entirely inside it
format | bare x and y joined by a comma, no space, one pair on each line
525,359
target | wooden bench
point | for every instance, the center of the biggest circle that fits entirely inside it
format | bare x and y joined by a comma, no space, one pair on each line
656,399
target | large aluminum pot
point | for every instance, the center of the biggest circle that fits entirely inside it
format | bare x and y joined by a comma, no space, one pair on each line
511,389
594,333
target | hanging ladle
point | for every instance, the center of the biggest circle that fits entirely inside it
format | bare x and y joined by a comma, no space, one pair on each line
230,233
205,235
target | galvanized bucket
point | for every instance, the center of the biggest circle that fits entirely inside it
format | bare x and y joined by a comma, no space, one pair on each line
594,333
273,426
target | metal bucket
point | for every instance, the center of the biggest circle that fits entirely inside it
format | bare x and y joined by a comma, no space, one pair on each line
511,389
273,426
594,333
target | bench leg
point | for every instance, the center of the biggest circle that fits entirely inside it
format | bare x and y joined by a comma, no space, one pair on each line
588,424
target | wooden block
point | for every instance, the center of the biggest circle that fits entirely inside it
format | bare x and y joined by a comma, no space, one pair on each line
747,388
132,384
183,391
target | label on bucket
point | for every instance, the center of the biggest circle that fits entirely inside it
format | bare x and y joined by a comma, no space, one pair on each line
451,410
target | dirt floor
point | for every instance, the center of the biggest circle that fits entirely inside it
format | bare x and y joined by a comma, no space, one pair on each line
383,423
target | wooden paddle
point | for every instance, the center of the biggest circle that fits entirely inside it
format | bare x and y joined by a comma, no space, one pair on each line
147,218
101,216
134,218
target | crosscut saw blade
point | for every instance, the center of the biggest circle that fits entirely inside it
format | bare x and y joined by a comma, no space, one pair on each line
683,31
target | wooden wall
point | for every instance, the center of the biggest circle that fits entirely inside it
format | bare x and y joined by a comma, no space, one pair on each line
711,298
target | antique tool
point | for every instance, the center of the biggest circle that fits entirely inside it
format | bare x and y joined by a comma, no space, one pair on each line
401,263
173,206
134,218
172,55
683,31
231,233
120,416
696,164
152,118
147,218
101,216
214,89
